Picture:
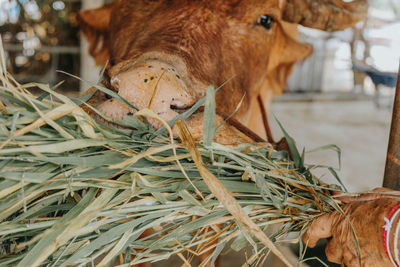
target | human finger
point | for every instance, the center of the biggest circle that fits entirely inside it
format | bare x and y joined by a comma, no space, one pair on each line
349,258
334,251
320,228
377,193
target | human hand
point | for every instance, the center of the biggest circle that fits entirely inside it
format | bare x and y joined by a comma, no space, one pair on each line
366,214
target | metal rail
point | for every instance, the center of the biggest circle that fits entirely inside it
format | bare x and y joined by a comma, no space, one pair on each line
392,168
43,48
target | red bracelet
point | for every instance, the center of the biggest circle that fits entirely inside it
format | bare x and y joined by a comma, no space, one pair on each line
386,232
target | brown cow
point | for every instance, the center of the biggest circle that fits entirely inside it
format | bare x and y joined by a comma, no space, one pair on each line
164,54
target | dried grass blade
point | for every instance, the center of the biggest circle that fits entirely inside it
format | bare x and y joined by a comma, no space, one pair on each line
209,117
224,196
51,115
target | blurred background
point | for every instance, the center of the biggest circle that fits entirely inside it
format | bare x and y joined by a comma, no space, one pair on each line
39,38
343,95
340,95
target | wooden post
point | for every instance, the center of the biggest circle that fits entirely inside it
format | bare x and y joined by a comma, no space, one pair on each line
89,70
392,169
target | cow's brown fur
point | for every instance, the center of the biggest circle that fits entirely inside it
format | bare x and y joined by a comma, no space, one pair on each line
218,41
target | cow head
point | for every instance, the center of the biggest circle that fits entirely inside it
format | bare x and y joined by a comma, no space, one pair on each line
163,54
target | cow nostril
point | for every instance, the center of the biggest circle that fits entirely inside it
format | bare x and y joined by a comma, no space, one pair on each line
179,107
178,110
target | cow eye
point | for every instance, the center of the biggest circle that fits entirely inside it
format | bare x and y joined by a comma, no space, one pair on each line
266,21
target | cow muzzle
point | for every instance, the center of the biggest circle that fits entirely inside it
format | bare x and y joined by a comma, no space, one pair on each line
156,85
153,84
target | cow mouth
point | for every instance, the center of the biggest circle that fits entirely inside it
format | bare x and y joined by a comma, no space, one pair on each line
152,84
179,110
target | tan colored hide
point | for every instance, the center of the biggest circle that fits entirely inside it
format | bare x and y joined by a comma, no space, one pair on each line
205,43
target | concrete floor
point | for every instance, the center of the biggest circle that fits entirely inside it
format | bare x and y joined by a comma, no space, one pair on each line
357,127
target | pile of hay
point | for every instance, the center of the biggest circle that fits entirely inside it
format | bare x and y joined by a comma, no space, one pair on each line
73,189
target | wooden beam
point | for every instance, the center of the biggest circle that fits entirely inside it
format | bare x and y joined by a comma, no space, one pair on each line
392,169
89,71
44,48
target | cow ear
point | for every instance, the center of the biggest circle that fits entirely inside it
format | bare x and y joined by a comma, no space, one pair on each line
94,24
290,51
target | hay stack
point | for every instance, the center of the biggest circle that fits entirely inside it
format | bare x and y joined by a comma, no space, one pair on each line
72,189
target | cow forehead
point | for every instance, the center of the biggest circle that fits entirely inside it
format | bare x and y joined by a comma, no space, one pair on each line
145,19
195,29
173,21
237,8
